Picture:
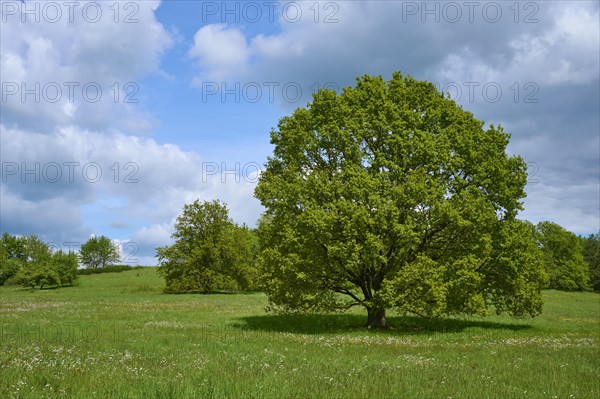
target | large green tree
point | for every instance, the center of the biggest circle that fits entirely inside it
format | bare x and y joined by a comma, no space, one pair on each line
391,195
210,251
98,252
563,257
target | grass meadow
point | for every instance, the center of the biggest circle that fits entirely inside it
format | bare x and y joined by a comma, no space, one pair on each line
117,335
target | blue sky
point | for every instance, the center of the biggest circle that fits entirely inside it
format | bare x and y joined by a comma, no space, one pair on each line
191,89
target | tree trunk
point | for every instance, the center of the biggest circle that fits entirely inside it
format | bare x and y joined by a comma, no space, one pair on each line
376,318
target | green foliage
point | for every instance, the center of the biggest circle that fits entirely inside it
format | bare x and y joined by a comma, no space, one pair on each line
36,250
17,252
210,252
12,255
394,196
516,272
40,274
8,268
563,258
98,252
65,264
419,288
13,247
56,269
28,261
591,254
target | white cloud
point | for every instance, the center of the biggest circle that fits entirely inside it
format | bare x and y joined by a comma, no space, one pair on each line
381,37
564,51
220,50
129,182
68,59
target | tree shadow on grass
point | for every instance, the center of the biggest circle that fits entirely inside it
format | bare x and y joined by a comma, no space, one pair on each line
38,289
346,323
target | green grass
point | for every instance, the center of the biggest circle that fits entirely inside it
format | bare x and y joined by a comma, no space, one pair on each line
117,335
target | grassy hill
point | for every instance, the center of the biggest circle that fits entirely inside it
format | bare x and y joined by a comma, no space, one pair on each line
118,335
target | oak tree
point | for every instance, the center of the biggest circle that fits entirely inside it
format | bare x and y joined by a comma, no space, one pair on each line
390,195
210,252
98,252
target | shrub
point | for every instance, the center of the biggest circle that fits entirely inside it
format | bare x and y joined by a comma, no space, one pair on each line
38,274
107,269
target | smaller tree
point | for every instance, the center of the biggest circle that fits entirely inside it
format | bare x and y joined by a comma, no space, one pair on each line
36,268
210,252
591,254
563,257
98,252
8,268
58,269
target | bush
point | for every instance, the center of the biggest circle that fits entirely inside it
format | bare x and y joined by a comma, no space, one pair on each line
37,274
107,269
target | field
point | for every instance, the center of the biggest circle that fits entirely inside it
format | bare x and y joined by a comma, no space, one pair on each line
117,335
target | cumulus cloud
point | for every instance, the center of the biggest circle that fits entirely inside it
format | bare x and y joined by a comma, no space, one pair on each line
560,42
70,100
75,182
220,50
77,69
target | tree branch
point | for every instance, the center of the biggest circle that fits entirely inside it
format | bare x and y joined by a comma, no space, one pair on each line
349,293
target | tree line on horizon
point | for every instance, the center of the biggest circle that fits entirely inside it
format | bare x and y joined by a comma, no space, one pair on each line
572,262
30,262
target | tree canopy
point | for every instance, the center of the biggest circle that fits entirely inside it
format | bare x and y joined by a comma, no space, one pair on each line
563,257
389,194
29,261
591,254
98,252
210,251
